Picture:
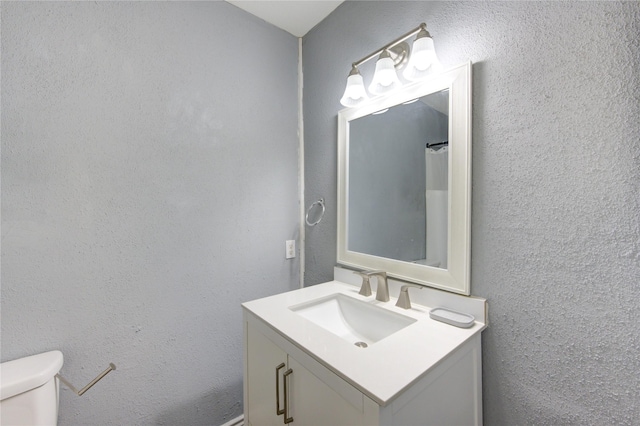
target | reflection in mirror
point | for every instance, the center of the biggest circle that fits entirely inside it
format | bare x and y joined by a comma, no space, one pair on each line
398,182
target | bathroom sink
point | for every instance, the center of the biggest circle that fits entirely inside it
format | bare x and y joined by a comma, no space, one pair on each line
354,320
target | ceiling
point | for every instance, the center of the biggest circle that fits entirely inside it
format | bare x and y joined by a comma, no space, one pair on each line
295,17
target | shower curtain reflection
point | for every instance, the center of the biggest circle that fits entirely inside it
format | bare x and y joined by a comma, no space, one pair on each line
437,200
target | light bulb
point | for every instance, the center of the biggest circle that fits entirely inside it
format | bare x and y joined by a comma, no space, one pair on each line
354,93
423,58
385,78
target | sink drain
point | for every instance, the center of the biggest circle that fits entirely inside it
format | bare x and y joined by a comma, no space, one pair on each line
361,344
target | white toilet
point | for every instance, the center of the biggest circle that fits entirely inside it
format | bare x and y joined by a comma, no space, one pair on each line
29,390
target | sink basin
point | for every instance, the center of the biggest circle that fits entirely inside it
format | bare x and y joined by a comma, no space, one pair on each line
354,320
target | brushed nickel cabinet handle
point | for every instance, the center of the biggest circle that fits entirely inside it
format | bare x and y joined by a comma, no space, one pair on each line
287,419
278,410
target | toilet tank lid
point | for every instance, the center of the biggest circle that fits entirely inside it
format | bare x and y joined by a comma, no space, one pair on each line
28,373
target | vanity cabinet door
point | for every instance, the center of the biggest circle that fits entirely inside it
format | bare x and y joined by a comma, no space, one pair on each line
263,359
309,400
312,402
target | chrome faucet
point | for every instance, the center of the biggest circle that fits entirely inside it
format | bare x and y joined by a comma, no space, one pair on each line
403,299
382,291
365,289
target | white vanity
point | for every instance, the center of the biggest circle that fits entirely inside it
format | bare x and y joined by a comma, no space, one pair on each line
425,373
329,355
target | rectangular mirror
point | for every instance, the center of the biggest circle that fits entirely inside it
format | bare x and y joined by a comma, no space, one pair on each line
404,189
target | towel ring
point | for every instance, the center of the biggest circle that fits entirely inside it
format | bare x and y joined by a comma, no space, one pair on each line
320,202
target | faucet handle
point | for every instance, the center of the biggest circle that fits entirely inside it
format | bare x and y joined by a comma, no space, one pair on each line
365,289
382,290
403,299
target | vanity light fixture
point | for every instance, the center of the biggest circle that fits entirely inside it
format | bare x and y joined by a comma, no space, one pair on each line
422,58
354,93
385,78
421,63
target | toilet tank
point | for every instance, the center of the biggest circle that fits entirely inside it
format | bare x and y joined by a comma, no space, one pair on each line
29,390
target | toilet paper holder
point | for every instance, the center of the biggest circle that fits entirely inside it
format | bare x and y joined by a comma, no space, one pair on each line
111,367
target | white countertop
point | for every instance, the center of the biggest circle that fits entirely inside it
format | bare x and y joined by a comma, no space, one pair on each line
385,368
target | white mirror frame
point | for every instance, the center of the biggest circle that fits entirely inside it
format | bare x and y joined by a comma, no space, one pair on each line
457,277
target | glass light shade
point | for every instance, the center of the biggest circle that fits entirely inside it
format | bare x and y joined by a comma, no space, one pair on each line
423,60
385,78
354,93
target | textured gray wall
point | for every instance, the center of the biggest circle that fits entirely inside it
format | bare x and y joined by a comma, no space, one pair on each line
556,189
149,181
